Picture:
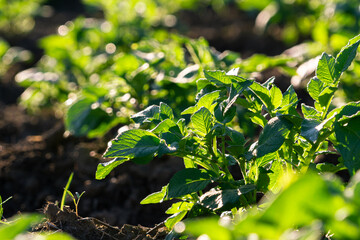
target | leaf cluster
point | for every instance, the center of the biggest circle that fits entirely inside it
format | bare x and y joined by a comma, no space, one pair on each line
104,75
210,142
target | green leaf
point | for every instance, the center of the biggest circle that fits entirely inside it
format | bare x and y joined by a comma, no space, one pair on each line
147,115
220,78
348,112
258,119
156,197
175,218
103,169
179,207
235,136
206,101
236,145
321,93
310,129
171,146
18,225
224,199
326,69
268,83
224,114
82,118
310,198
167,126
271,171
217,75
263,94
346,55
353,188
315,88
275,97
277,170
326,96
202,120
262,161
289,100
53,236
273,135
328,167
310,112
202,83
166,112
348,143
235,91
182,125
188,180
138,145
208,226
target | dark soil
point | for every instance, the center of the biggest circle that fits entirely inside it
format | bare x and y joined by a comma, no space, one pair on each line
93,229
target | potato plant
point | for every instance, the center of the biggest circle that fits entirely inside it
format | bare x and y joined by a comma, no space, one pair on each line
102,82
103,75
209,141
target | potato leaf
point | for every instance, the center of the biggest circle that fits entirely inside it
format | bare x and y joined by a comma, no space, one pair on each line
138,145
224,199
263,94
103,169
166,111
179,207
310,112
326,69
175,218
315,88
147,115
202,120
156,197
275,97
210,227
346,55
82,119
273,135
310,129
188,180
205,101
289,100
347,135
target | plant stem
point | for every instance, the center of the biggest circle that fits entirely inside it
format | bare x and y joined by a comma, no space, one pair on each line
312,151
241,163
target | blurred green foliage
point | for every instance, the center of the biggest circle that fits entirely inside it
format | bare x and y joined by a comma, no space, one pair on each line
16,16
330,23
11,55
17,227
325,209
105,69
102,80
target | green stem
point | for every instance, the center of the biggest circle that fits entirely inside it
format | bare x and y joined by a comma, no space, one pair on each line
223,155
228,174
311,155
241,163
327,107
193,54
